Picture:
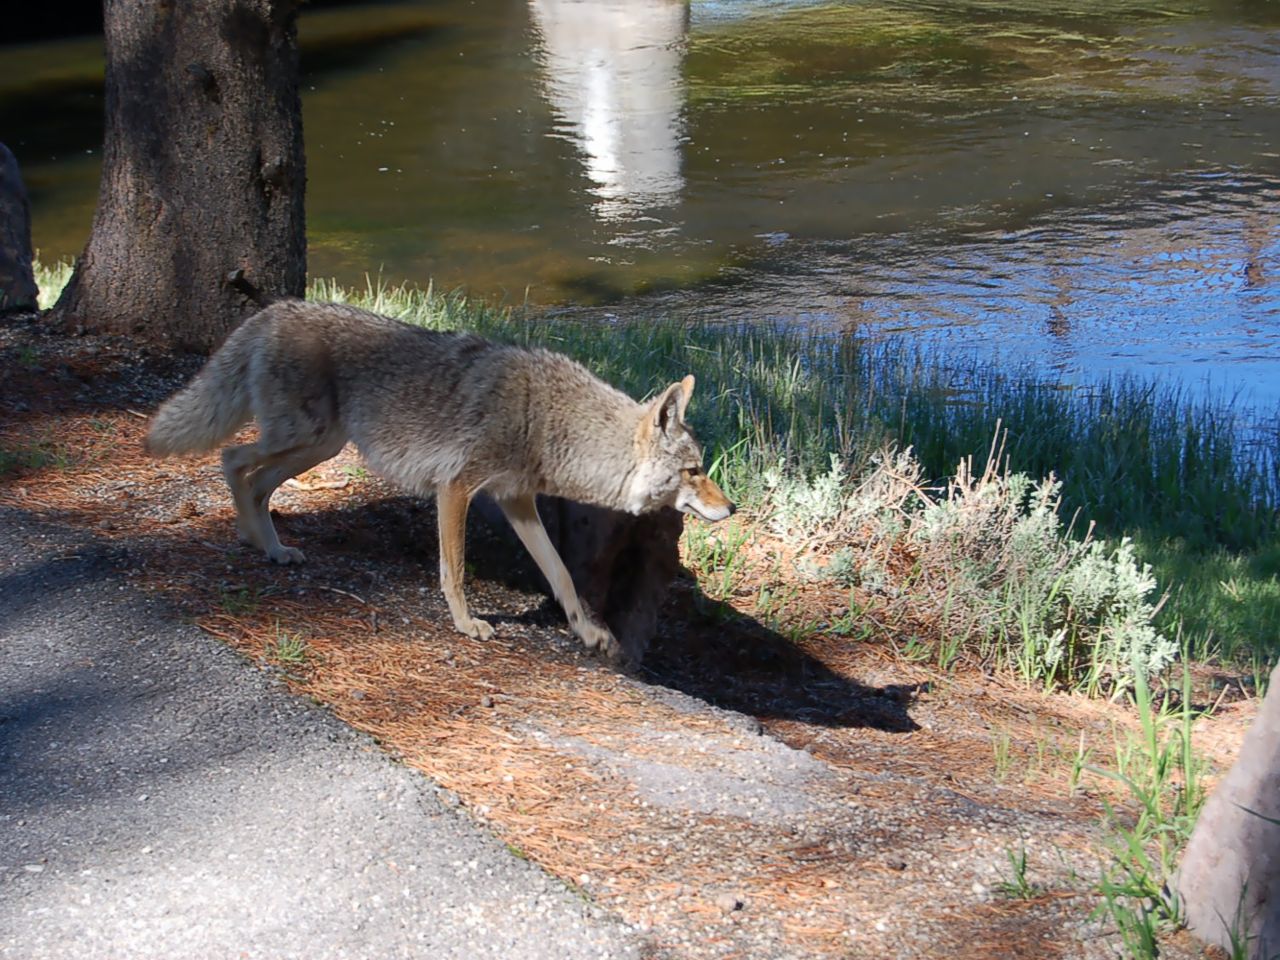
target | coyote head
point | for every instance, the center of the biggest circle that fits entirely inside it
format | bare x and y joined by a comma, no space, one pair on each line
669,461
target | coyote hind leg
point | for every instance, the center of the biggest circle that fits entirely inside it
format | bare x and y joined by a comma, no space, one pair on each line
254,476
452,501
238,463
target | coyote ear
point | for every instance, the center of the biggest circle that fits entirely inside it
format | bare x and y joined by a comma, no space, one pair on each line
670,407
686,391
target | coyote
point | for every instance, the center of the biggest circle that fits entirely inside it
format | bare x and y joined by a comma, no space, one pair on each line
446,412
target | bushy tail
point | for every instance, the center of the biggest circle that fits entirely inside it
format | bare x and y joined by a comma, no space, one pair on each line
213,406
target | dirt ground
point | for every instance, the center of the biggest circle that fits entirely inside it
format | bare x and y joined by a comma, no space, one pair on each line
742,794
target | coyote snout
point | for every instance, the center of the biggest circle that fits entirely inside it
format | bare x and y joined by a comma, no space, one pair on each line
701,496
435,412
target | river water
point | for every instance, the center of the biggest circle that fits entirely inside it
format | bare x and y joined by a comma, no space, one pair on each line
1091,186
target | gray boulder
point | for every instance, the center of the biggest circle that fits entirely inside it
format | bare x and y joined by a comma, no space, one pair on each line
1229,879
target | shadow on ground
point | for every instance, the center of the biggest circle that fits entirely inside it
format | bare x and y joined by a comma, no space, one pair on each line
731,661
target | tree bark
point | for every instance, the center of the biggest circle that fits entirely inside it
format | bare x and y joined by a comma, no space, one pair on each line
200,211
1229,878
17,285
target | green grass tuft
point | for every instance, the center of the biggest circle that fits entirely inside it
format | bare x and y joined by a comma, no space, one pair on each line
1163,780
288,649
50,279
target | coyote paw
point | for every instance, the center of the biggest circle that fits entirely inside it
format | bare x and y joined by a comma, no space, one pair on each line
595,637
286,555
480,629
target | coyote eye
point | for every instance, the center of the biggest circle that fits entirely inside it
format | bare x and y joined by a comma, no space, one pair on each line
693,471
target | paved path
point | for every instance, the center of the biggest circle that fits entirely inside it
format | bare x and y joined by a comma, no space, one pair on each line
161,798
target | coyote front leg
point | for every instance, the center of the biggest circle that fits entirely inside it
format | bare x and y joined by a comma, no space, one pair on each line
452,500
522,512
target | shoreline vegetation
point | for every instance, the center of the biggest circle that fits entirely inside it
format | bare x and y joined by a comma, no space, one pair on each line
1101,541
971,511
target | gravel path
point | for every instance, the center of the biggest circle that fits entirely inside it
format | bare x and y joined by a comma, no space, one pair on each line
161,798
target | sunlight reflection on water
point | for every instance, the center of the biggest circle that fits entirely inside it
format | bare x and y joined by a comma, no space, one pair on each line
1090,186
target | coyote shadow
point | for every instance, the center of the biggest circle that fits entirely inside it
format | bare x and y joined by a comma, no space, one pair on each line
738,664
742,665
726,659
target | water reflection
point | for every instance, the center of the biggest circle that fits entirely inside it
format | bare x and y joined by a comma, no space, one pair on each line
1091,187
1114,289
611,71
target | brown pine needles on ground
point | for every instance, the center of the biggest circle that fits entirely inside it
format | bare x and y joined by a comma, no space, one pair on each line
872,817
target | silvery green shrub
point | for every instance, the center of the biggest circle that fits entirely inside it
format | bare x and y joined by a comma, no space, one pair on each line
992,558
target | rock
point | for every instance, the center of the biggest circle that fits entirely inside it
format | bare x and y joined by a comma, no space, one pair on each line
622,565
17,283
1227,879
729,902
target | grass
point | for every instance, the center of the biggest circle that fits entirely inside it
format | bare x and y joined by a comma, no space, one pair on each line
31,457
715,554
1162,778
1193,481
289,649
50,279
239,601
1017,886
1000,746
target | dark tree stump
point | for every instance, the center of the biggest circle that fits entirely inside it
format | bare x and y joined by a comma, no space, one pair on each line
622,565
1229,879
200,212
17,283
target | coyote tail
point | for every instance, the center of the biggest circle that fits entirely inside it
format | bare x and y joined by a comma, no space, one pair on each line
213,406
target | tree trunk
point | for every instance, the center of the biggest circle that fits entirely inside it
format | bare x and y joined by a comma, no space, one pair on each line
200,212
17,285
1229,879
622,565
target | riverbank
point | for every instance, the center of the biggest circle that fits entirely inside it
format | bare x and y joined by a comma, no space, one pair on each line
857,611
775,785
800,421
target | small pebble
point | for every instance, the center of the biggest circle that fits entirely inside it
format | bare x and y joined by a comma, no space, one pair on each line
729,902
